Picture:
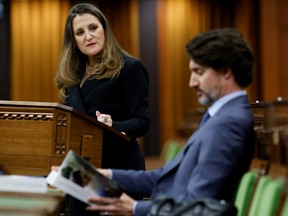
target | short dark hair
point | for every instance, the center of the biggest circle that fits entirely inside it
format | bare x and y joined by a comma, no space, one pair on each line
223,49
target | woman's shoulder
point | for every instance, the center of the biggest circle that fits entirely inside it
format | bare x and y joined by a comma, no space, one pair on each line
131,60
133,66
132,63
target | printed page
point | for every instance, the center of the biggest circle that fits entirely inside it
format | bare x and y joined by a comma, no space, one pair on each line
80,179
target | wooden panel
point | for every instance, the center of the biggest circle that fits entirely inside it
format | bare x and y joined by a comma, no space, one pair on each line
258,110
81,129
274,22
35,136
259,166
271,127
177,22
276,114
34,140
35,55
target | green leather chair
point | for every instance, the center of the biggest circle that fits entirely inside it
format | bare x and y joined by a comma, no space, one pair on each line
271,198
256,200
284,211
245,192
170,150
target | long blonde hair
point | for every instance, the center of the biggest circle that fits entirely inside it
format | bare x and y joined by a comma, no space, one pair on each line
73,63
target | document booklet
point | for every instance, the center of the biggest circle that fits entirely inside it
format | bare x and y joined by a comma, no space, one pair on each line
80,179
21,183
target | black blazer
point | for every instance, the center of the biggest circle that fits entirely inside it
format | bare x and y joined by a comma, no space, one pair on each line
125,98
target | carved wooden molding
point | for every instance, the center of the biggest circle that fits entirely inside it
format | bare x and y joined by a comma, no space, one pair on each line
26,116
61,134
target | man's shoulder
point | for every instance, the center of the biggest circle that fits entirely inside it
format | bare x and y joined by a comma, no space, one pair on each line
237,104
237,112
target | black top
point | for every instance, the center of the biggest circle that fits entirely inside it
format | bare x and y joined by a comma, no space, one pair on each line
125,98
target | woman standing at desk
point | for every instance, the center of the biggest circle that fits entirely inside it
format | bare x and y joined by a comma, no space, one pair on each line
99,78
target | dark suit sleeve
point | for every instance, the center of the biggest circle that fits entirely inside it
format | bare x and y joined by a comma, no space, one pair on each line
135,90
142,208
137,182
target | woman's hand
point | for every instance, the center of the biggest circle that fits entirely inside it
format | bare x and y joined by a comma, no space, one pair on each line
104,118
56,168
112,206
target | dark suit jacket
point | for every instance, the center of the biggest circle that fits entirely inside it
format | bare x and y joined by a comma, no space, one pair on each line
125,98
211,164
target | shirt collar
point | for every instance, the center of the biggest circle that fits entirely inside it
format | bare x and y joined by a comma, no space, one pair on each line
223,100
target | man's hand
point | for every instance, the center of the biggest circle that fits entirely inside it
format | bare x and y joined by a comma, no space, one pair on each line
105,172
112,206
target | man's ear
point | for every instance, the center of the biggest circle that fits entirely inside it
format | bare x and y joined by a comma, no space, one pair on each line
227,73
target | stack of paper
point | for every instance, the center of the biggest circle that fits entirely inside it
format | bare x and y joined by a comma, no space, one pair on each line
19,183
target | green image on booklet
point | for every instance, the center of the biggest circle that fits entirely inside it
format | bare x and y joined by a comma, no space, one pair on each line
80,179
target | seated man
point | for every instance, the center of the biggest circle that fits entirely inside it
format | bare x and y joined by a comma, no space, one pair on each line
219,152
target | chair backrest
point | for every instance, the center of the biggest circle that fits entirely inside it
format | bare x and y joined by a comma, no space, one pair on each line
170,150
271,198
245,192
256,201
284,210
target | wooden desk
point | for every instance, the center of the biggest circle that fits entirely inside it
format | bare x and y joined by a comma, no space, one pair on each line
271,127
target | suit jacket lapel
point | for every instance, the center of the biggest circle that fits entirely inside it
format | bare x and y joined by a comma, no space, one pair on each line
75,99
177,160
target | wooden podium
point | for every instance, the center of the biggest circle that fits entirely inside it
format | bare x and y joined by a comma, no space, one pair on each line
36,135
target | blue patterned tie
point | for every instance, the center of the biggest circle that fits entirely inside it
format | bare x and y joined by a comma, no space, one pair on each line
204,119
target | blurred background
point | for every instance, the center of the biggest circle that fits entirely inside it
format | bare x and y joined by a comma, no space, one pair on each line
156,31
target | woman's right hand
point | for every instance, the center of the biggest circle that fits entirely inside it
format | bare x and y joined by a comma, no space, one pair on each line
104,118
56,168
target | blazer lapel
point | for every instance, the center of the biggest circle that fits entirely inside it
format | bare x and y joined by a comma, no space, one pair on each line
75,99
177,160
